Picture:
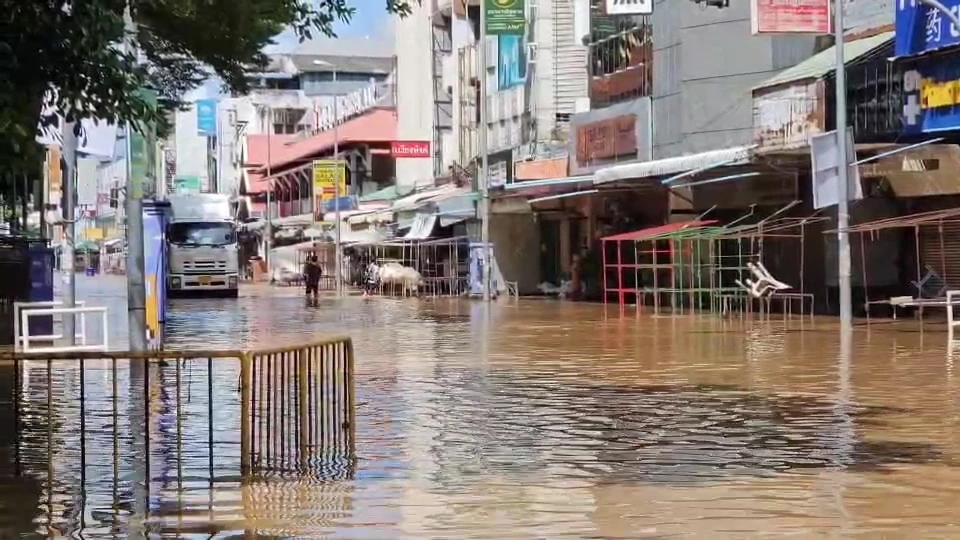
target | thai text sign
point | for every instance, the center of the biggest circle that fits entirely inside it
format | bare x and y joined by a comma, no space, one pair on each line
607,139
505,17
787,117
932,96
329,180
921,28
791,17
410,149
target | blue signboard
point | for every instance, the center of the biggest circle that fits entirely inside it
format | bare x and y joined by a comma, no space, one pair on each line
931,90
207,117
921,28
512,62
347,204
41,286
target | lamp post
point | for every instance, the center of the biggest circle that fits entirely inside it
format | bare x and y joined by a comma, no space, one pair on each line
484,179
338,254
843,182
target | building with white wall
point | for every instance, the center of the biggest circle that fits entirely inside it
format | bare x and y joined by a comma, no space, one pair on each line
521,111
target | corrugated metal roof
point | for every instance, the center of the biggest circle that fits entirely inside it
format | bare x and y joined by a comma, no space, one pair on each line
823,62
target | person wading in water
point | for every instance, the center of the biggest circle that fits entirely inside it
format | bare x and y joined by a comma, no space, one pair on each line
311,277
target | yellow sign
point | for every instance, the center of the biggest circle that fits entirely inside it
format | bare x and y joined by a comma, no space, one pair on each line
327,174
93,234
153,309
935,94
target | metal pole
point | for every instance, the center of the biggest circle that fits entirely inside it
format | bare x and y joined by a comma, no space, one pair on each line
336,191
484,179
136,288
269,228
69,230
843,181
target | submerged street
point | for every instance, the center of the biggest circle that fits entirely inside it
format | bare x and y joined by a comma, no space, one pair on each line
556,420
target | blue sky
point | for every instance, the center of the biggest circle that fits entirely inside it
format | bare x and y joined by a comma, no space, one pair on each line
370,19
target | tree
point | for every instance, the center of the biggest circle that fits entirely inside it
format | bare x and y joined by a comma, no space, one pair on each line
78,48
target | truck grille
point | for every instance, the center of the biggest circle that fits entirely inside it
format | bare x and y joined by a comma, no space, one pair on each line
204,267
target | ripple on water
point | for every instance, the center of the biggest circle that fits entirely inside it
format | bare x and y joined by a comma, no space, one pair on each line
551,420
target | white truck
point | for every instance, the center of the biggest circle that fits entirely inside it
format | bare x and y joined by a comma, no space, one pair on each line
202,249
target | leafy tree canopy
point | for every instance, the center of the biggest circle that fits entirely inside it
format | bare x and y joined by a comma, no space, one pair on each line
77,47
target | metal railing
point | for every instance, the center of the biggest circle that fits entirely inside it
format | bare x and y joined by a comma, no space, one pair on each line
25,340
108,434
621,66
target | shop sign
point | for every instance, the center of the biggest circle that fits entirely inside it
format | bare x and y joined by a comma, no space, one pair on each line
795,17
606,139
931,93
921,28
540,169
786,118
410,149
505,17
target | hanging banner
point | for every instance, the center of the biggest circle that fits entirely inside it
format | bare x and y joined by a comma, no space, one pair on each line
327,175
207,117
505,17
143,144
512,61
794,17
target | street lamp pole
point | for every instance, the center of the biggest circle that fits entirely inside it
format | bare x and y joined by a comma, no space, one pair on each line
484,180
338,256
843,180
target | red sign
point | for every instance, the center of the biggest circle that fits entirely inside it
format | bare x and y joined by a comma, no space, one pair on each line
410,149
793,17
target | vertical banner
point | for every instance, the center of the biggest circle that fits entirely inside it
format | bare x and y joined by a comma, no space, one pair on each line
143,151
207,117
505,17
154,268
327,174
512,61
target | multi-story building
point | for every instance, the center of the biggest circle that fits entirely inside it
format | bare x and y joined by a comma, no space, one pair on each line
293,95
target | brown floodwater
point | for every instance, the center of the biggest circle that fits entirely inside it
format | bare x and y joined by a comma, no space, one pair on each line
544,419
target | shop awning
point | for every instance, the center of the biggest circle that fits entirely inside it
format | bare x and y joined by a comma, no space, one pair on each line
653,232
824,62
422,227
738,155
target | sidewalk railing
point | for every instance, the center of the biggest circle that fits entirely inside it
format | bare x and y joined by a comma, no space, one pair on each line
105,427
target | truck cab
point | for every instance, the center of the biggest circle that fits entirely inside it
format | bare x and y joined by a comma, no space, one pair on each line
202,246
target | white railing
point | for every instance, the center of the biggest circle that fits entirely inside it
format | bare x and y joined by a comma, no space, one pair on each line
19,306
953,299
25,340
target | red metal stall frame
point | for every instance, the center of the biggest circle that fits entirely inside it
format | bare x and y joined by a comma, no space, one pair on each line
641,235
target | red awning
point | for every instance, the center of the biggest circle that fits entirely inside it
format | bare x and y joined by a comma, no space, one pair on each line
378,126
653,232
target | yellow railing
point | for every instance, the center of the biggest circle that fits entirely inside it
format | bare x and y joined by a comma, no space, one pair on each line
99,432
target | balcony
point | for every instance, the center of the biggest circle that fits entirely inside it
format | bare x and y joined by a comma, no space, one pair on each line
621,67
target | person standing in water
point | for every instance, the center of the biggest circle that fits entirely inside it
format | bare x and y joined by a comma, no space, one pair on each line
311,277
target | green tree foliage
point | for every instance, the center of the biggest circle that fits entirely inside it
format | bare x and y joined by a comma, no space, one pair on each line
77,47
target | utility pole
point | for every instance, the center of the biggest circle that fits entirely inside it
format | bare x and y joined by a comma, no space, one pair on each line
484,180
133,204
69,229
843,180
268,241
338,257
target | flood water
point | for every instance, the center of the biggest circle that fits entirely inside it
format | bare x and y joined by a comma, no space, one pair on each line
543,419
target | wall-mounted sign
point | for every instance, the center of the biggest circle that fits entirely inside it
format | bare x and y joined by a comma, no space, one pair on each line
793,17
410,149
628,7
931,93
787,117
921,28
505,17
329,181
605,139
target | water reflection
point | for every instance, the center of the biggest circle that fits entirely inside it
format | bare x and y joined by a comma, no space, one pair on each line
554,420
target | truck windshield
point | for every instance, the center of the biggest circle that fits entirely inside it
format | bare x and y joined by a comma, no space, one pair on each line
201,234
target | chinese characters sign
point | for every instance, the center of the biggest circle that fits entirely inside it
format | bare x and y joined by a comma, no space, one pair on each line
505,17
921,28
794,17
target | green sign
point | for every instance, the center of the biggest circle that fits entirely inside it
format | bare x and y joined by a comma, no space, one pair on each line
187,184
143,145
505,17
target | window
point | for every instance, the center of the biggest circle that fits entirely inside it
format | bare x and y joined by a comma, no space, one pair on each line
202,234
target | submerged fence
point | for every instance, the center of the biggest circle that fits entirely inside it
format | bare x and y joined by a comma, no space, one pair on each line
158,441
